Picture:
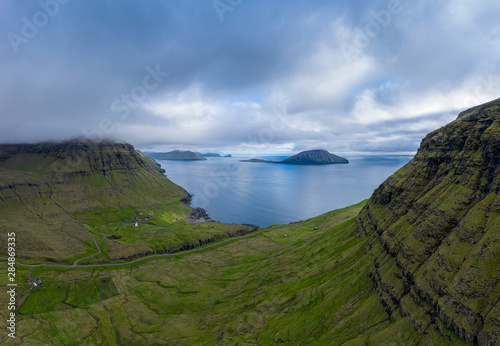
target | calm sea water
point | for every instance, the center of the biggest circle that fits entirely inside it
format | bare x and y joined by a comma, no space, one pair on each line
264,194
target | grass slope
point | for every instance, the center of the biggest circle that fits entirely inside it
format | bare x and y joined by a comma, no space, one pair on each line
287,284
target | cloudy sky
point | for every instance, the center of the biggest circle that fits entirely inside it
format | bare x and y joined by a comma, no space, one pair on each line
244,75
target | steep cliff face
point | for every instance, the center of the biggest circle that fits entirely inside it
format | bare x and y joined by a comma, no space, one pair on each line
96,174
435,230
71,157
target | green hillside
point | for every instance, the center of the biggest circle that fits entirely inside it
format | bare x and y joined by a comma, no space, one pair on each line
65,199
287,284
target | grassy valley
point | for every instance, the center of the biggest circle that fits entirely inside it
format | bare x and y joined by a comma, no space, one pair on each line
287,284
417,263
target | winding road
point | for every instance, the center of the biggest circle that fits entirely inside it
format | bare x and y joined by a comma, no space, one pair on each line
97,245
75,264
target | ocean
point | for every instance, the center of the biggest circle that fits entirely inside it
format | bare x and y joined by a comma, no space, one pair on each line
263,194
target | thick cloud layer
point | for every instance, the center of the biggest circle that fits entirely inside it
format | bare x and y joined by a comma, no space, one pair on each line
244,76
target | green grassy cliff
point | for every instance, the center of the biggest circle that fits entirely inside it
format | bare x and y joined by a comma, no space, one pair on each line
434,230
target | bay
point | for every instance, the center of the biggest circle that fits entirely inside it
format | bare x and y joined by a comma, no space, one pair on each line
264,193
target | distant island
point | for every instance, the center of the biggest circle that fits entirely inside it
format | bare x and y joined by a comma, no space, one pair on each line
309,157
213,155
178,155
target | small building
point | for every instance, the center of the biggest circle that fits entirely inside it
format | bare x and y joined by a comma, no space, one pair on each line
136,224
34,283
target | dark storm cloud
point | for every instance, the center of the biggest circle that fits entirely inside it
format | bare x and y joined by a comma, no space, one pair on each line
353,77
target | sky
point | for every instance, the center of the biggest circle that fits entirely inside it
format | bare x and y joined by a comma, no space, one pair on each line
244,76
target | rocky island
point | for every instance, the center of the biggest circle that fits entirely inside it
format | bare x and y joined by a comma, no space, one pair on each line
213,155
309,157
178,155
209,154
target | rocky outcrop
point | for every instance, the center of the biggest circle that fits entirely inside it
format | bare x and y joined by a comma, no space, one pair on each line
434,229
199,215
